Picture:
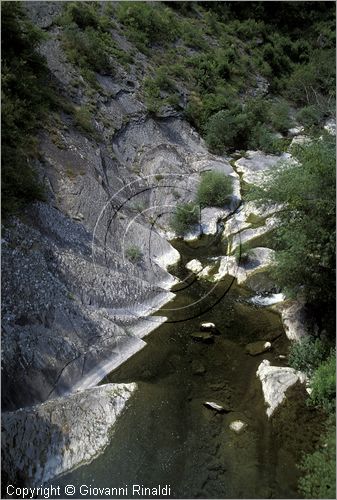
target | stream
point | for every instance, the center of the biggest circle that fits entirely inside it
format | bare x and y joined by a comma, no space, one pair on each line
166,436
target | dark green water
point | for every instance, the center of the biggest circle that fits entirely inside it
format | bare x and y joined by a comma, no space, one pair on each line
166,436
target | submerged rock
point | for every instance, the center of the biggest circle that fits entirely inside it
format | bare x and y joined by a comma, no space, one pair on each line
205,337
216,407
208,327
259,347
237,426
48,439
275,382
198,368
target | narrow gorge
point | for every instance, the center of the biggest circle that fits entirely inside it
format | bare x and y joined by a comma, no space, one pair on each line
135,353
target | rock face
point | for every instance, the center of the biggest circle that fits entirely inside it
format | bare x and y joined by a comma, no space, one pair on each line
294,319
256,163
275,382
76,300
42,441
258,259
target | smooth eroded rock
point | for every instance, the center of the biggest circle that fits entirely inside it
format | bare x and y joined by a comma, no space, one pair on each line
237,426
42,441
275,382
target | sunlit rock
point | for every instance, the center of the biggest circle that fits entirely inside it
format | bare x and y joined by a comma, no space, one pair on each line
275,382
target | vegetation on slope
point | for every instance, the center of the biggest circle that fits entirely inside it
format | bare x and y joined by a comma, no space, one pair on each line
25,102
213,62
305,267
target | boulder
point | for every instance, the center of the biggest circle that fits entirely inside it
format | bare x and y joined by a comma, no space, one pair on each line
195,266
294,319
253,166
216,407
259,347
275,382
208,327
205,337
237,426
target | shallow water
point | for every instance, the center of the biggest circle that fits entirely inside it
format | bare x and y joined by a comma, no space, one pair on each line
168,437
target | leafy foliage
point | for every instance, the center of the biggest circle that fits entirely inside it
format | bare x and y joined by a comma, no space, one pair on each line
147,23
87,40
214,189
323,385
186,215
319,480
306,235
26,100
307,354
134,254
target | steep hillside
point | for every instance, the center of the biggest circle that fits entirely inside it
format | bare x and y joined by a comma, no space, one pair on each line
113,113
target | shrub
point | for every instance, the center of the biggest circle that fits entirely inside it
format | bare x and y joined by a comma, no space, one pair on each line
185,216
307,354
319,480
279,116
83,119
147,22
226,129
214,189
323,385
262,138
134,254
26,105
309,116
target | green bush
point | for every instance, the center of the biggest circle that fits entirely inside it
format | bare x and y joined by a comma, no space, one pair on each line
214,189
323,385
134,254
307,354
279,116
83,119
227,129
26,105
263,139
309,116
319,480
305,260
185,216
147,23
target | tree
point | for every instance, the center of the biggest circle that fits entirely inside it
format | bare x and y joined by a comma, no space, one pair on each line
305,262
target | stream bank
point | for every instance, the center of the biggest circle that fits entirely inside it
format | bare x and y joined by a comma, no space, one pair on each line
168,436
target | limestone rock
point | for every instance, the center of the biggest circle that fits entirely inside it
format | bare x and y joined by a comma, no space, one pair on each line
258,259
208,327
275,382
294,319
216,407
237,426
254,165
42,441
195,266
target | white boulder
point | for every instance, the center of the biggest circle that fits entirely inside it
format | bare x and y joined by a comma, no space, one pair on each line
237,425
275,382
